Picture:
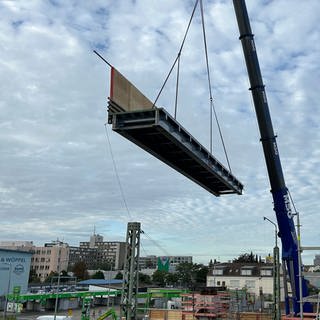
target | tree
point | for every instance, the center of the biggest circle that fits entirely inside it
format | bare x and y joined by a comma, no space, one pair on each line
80,270
201,273
190,274
246,258
144,278
119,276
33,278
185,273
172,279
98,275
159,277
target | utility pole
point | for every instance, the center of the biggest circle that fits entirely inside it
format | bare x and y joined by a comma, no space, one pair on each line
128,305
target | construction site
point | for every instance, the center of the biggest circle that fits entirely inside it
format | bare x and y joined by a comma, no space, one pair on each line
138,119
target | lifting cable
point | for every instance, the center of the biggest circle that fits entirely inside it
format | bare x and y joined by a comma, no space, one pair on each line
177,61
116,173
156,244
212,108
122,194
177,58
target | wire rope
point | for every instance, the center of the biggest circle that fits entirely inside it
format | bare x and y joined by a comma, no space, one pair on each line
156,244
212,108
117,174
178,56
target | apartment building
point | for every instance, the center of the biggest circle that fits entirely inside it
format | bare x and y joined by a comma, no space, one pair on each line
255,277
110,253
52,257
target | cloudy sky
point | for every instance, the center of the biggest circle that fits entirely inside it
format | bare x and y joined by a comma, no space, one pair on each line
58,179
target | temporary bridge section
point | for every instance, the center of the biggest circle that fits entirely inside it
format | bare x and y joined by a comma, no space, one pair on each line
153,129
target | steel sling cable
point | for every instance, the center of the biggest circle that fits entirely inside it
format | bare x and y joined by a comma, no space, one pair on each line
212,108
178,56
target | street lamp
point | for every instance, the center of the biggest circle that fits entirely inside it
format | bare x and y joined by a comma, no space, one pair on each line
8,290
276,274
58,285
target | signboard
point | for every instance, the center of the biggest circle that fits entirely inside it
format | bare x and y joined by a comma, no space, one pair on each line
163,264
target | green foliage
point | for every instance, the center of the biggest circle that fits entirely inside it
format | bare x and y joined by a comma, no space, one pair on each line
33,278
119,276
159,277
247,258
144,278
80,271
190,274
98,275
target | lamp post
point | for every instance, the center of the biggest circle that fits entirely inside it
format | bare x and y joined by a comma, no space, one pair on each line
276,274
300,265
58,284
8,290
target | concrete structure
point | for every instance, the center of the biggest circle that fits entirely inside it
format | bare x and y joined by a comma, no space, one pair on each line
52,257
257,278
14,270
316,260
175,260
17,245
86,255
110,253
148,262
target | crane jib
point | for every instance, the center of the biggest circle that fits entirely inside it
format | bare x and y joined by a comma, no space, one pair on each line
287,232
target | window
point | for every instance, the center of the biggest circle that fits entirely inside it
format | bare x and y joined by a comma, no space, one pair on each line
218,283
234,284
217,272
266,272
246,272
251,284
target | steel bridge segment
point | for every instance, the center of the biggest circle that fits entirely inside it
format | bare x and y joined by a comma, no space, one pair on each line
155,131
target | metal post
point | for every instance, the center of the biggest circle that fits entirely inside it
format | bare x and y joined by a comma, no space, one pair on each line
299,265
58,285
276,274
8,291
130,285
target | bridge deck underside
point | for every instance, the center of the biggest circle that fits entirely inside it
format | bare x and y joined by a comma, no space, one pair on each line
155,131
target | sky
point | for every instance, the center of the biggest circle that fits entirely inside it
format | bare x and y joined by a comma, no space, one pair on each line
58,177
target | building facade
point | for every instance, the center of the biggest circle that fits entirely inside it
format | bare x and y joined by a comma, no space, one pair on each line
108,253
14,270
256,278
17,245
52,257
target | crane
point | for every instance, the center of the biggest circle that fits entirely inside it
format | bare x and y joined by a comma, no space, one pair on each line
280,194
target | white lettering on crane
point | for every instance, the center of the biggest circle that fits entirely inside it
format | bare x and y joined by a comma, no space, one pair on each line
287,205
275,147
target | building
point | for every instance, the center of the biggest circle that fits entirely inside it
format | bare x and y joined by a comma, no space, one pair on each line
316,260
108,253
148,262
52,257
81,254
256,278
175,260
14,270
17,245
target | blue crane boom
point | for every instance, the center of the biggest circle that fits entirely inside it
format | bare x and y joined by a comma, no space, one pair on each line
282,208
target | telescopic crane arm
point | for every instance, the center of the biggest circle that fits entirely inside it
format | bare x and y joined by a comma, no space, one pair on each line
287,232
